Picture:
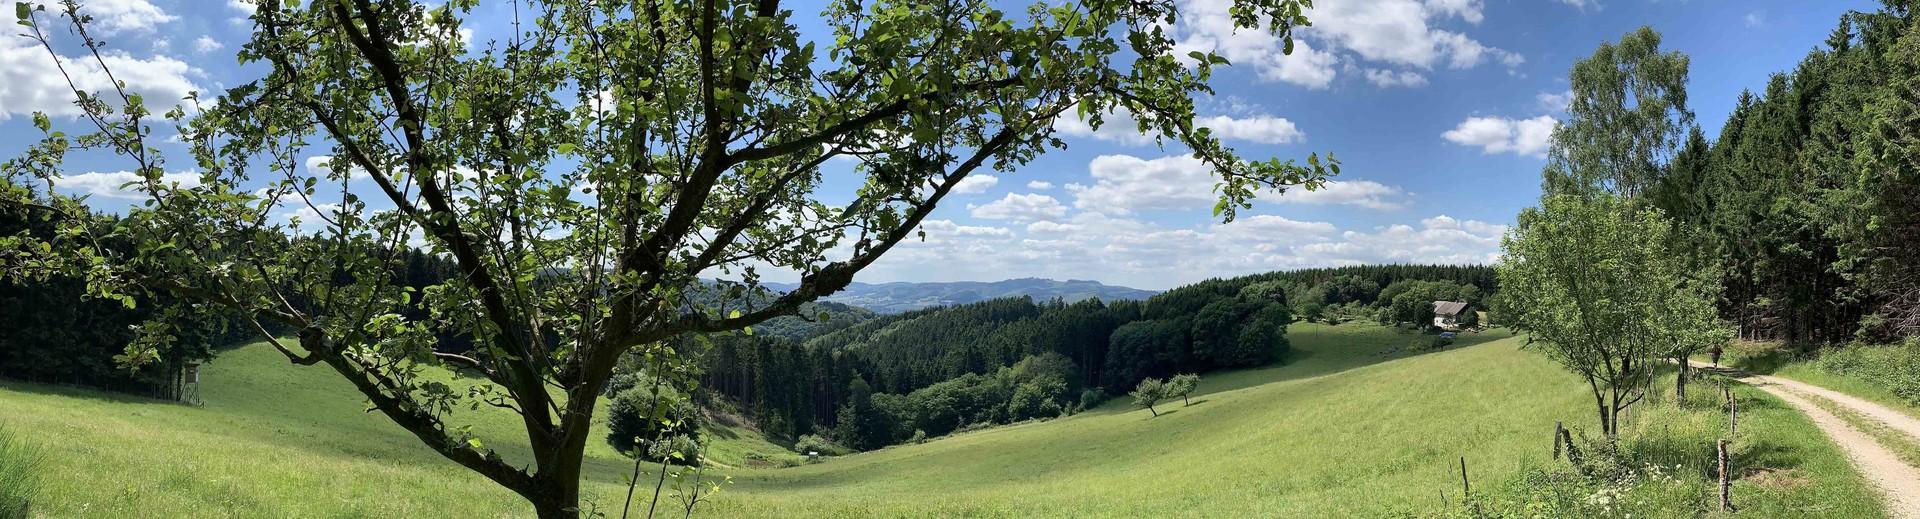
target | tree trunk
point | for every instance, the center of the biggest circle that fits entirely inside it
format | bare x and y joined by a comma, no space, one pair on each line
561,500
1156,412
1680,383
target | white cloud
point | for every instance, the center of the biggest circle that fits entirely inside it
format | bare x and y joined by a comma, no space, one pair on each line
117,16
1120,126
1756,19
320,166
1387,78
1503,135
1438,240
1392,32
1553,102
1264,129
109,185
975,183
1145,254
1123,184
29,81
205,44
946,229
1363,193
1207,26
245,6
1045,227
1583,4
1039,184
1021,208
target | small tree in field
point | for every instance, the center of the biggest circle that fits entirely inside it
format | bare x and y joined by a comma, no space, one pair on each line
1597,287
1150,391
1182,386
588,174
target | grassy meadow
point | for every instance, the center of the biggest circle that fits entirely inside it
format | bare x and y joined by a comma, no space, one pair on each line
1350,425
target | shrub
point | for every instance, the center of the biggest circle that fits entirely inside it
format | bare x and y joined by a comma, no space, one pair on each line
19,475
815,443
1894,368
1092,397
637,419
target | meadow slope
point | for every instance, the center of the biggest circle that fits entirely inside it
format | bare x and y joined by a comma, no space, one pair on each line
1348,426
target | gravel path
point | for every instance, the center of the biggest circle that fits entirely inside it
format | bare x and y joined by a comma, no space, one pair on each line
1898,482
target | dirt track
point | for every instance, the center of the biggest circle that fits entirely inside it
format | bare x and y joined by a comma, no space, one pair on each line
1898,482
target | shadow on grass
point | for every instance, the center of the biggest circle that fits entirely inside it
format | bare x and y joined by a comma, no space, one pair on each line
83,393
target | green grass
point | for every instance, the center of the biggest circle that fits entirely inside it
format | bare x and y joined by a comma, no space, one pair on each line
1769,361
1350,425
20,466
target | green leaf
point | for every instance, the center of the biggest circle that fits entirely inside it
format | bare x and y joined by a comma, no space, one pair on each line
461,111
22,11
40,121
566,148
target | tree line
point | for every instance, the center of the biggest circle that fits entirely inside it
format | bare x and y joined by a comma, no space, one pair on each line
872,381
1808,202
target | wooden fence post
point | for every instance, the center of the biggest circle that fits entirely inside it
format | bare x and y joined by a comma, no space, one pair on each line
1465,490
1557,429
1733,413
1726,481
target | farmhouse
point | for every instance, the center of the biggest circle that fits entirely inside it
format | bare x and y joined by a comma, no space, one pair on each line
1451,315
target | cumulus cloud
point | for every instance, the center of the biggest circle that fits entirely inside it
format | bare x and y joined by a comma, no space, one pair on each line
322,166
1021,208
1264,129
1120,126
1504,135
1039,184
245,6
1388,78
946,229
1402,33
114,184
1143,253
30,82
1756,19
1123,184
117,16
206,44
1438,240
1363,193
1583,4
975,183
1554,102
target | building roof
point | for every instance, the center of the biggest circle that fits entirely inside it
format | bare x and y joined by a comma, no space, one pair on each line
1449,307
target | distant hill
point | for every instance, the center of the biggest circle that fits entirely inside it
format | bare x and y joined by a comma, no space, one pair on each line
893,298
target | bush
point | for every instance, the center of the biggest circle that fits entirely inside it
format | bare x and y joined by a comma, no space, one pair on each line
815,443
19,475
637,419
1894,368
1092,397
1662,464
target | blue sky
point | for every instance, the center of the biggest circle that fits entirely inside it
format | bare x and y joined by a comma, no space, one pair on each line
1438,109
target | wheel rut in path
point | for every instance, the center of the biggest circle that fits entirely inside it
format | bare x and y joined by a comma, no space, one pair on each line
1899,483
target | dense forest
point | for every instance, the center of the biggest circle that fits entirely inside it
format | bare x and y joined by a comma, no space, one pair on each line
875,381
1808,202
54,331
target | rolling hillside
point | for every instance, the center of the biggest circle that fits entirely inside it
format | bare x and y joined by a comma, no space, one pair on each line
1348,426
